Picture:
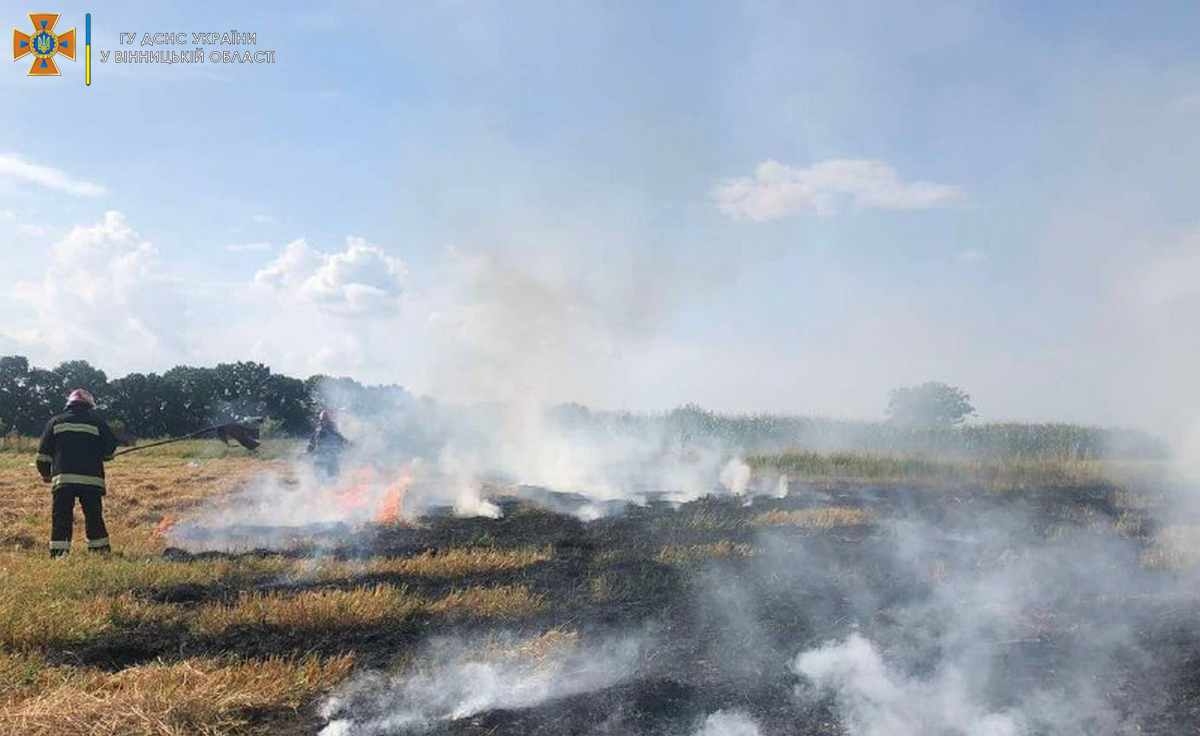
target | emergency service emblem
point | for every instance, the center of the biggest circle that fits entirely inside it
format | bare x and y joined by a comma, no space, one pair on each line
44,44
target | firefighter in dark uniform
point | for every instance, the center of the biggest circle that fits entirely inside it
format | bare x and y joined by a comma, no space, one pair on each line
326,445
71,459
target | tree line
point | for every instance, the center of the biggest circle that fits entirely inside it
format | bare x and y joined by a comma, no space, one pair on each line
181,400
922,419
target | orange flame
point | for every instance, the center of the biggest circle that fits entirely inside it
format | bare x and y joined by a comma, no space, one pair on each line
360,495
355,494
164,526
393,500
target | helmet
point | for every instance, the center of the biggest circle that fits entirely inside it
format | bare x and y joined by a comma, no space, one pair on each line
82,396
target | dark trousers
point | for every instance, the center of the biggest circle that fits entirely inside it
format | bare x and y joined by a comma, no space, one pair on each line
62,519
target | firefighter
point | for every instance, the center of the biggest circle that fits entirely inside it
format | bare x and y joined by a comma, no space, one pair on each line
326,444
71,457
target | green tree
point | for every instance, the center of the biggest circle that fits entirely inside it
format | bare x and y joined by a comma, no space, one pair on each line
931,404
14,374
74,374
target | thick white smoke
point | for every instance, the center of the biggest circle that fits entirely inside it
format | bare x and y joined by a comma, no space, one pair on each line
467,678
875,700
728,723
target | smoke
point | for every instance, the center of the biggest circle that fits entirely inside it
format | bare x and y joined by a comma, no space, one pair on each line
993,622
297,507
467,678
728,723
879,702
735,476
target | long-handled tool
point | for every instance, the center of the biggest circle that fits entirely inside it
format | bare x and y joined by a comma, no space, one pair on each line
242,434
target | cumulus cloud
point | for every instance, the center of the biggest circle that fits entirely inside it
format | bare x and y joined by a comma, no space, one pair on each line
777,190
361,279
103,287
13,166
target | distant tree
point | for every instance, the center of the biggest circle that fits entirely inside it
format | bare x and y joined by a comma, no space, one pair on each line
14,399
81,374
147,405
931,404
202,395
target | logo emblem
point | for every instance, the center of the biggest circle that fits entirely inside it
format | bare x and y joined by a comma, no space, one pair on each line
44,44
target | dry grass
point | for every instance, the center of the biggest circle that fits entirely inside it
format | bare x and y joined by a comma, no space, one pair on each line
680,554
826,517
82,575
504,602
381,605
59,622
310,610
552,643
194,696
451,563
1008,473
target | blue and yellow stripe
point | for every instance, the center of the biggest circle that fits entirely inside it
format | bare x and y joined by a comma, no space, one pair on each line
87,49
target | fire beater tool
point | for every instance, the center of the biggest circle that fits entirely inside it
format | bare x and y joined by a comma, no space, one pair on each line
242,434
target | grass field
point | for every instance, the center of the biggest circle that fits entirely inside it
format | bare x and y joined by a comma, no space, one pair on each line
142,643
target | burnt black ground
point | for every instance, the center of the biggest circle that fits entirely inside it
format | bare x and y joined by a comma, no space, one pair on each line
722,633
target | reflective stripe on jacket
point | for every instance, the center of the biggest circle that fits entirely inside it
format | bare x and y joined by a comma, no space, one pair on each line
73,449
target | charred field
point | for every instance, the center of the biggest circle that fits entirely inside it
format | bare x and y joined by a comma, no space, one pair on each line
845,606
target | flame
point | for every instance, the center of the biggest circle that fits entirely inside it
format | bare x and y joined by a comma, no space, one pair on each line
389,511
368,494
355,494
164,527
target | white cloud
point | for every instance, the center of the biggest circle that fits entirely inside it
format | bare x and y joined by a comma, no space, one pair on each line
777,190
7,215
360,280
263,219
13,166
971,255
247,247
291,267
103,293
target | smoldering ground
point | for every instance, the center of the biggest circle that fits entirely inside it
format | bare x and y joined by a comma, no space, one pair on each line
929,612
757,605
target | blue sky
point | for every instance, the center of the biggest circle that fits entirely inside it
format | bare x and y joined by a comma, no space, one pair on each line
574,201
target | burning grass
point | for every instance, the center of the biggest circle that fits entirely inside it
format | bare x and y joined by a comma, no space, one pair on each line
137,643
